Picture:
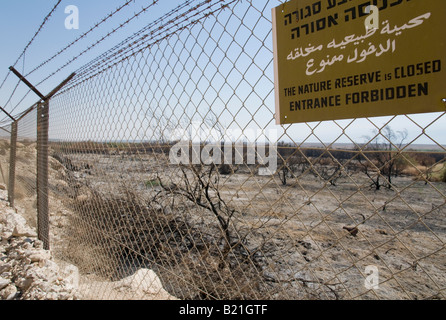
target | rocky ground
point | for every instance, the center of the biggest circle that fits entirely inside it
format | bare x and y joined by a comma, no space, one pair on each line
27,271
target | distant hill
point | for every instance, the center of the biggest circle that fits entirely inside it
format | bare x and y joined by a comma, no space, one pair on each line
349,146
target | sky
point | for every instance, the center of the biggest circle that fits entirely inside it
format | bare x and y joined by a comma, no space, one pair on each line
20,19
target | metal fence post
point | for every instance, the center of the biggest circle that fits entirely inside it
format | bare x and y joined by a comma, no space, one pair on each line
42,173
12,162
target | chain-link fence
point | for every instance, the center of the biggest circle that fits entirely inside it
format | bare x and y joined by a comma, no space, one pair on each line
169,179
25,190
5,140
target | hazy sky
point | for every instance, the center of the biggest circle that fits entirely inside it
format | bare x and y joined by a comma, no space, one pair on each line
20,19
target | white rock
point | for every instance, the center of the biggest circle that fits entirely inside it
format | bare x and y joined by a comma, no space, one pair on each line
25,267
71,276
51,296
38,255
17,224
38,244
51,266
23,231
5,234
24,283
145,280
4,283
4,267
9,293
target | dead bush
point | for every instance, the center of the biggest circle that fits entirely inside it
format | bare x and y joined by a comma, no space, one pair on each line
110,236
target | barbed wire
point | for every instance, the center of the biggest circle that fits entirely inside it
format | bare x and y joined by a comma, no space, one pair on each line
45,20
118,53
95,26
126,41
174,25
122,25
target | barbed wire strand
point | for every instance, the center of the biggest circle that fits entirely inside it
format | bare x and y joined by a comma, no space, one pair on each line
84,35
88,48
165,31
45,20
185,4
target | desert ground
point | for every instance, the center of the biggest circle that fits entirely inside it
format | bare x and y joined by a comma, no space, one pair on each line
114,213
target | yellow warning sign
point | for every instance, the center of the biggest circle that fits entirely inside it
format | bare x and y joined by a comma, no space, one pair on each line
344,59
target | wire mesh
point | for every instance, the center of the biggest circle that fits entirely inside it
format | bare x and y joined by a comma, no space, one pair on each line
5,140
354,210
25,190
